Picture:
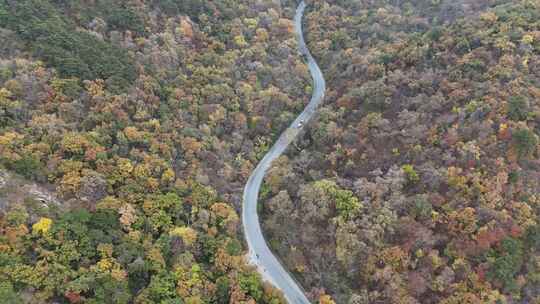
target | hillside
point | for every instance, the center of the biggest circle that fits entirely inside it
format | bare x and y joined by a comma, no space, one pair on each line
146,118
128,130
419,180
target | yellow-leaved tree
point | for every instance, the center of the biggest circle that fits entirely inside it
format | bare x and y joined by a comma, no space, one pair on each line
42,226
188,235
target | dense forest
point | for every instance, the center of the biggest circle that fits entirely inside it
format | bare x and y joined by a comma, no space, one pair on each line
145,117
419,180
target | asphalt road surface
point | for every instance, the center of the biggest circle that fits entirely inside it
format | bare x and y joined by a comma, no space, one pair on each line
259,253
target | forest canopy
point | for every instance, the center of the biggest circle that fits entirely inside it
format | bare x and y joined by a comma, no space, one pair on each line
135,125
128,130
419,179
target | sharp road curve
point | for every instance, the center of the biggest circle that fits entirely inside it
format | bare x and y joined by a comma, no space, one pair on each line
259,253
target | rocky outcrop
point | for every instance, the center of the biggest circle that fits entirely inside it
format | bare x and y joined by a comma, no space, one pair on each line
16,190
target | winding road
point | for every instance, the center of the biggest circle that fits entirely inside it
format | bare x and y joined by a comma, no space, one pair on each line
259,253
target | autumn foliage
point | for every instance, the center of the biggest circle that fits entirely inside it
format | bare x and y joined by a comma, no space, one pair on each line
430,136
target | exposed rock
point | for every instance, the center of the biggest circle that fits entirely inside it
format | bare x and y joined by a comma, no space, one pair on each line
93,189
14,190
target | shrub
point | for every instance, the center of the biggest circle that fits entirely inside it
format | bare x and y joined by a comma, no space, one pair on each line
421,209
410,173
506,263
251,285
125,19
222,292
234,247
532,237
27,166
525,142
517,108
8,294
